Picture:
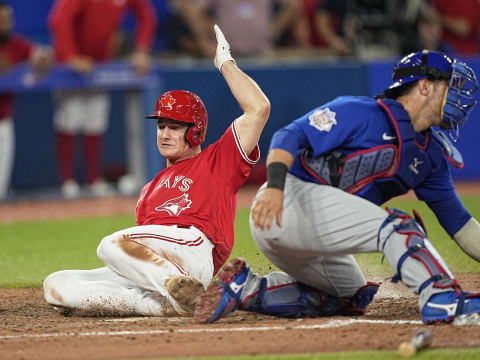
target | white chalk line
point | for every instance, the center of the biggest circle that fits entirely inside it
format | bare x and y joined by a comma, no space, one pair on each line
328,324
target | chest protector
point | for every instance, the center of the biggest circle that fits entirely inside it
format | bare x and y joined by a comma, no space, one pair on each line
404,164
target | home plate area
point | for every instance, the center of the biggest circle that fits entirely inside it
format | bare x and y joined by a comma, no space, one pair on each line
33,329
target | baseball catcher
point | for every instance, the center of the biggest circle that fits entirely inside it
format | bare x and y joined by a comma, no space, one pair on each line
327,174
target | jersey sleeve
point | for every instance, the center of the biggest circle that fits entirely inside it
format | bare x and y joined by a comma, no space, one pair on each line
438,191
146,23
450,213
438,186
231,164
61,21
321,130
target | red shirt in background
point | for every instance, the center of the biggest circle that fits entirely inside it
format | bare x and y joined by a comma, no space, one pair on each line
88,27
201,192
17,49
468,10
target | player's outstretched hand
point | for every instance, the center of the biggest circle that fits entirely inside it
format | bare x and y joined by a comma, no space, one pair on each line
268,206
222,54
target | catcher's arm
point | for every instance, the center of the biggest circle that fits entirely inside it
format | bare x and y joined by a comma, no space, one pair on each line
269,204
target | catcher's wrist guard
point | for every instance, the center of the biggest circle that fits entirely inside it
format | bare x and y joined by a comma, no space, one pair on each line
276,175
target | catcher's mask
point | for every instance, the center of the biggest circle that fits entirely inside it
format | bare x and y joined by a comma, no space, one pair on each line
459,100
184,106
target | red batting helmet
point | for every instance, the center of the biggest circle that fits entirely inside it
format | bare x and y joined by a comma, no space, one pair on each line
184,106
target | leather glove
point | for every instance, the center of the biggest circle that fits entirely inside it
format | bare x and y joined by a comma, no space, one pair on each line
223,49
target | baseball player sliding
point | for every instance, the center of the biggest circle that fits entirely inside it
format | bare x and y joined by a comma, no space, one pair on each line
185,215
307,220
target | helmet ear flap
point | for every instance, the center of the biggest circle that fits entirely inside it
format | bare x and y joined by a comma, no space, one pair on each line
195,133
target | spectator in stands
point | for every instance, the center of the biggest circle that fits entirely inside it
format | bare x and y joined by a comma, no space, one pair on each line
83,34
253,27
332,28
421,28
14,49
177,27
460,20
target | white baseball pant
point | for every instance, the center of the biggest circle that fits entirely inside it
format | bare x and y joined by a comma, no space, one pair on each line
322,227
133,281
7,154
81,112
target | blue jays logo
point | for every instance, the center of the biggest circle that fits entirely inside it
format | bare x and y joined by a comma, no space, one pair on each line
175,206
167,101
323,120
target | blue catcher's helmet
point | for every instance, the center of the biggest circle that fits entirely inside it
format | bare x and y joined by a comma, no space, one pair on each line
459,100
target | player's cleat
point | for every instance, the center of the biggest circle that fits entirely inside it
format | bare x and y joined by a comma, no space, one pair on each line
186,291
223,295
356,304
446,306
70,189
101,189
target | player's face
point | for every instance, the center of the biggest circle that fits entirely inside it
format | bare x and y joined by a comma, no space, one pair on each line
432,111
171,140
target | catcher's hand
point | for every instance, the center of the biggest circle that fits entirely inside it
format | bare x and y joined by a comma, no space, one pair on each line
267,207
223,49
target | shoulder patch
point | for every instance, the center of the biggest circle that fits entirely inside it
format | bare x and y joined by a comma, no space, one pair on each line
323,119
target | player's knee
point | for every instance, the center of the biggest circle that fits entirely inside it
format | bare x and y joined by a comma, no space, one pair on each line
106,246
53,289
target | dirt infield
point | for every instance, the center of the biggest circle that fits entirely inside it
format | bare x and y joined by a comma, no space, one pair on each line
34,330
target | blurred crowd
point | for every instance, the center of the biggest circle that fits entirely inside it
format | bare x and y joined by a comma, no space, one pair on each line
83,33
364,29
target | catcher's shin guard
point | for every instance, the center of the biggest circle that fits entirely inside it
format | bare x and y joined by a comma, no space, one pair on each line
426,275
415,243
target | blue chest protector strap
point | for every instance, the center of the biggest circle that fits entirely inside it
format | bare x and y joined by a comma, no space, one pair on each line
450,151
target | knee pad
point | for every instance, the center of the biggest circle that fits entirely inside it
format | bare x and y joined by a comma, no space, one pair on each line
415,237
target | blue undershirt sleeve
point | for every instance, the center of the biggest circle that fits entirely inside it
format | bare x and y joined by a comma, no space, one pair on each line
451,213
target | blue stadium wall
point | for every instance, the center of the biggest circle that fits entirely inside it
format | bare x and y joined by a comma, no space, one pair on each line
292,90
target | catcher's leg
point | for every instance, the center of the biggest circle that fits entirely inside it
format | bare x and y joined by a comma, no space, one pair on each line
278,294
102,292
417,264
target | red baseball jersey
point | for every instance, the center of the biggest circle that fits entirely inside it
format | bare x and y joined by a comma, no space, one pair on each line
88,27
16,49
201,192
467,10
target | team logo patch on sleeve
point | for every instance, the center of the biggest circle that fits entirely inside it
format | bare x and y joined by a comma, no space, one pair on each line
175,206
323,120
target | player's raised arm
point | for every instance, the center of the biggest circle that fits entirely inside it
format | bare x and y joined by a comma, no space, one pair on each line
252,100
